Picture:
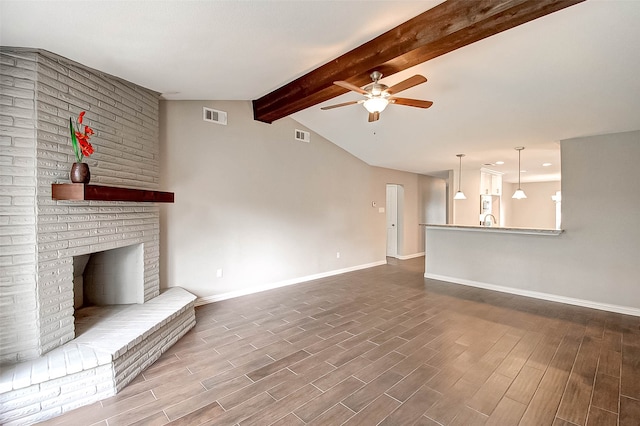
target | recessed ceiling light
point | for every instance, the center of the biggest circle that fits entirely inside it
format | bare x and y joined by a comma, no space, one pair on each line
546,164
523,171
499,163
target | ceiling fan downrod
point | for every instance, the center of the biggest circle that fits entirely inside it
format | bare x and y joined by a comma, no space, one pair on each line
376,76
376,89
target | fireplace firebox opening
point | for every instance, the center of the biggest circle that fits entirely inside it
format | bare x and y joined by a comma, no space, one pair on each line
111,277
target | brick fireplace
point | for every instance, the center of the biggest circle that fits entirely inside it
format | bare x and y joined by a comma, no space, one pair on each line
40,237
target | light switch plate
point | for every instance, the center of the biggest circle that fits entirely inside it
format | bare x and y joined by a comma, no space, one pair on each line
380,209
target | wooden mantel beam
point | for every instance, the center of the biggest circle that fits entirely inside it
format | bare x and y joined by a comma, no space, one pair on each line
442,29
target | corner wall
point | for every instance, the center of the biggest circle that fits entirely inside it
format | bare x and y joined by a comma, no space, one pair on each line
264,208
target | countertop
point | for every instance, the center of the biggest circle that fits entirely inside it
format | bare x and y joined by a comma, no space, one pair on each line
496,229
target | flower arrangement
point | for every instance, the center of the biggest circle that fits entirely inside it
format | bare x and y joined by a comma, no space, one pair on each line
80,139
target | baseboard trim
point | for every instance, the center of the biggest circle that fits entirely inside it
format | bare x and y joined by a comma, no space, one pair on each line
270,286
409,256
539,295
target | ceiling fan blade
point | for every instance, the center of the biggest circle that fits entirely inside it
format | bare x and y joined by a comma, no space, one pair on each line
406,84
411,102
341,105
374,116
350,86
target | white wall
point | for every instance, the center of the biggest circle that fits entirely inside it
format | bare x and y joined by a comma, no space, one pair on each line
264,208
467,212
595,261
434,198
538,210
433,208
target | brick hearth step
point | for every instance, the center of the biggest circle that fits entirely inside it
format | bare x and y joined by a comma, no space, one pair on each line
98,363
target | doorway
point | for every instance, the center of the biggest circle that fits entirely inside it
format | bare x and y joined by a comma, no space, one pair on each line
394,205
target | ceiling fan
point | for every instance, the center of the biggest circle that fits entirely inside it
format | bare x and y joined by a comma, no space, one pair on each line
379,95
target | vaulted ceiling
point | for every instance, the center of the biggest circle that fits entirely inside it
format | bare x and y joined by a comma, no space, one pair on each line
571,73
442,29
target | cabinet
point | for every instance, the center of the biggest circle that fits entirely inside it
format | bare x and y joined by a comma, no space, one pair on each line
490,182
490,193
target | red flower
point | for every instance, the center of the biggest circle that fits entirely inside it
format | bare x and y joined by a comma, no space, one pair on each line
86,147
80,140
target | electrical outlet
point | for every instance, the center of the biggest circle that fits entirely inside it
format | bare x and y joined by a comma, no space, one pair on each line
219,273
338,255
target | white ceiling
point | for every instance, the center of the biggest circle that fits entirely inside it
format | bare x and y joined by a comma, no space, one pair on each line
573,73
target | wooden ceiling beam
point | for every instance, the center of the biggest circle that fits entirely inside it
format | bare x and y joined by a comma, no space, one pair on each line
442,29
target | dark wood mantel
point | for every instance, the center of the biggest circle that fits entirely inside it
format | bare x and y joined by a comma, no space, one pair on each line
85,192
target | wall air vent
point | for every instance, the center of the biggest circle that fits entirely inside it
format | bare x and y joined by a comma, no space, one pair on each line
302,136
214,116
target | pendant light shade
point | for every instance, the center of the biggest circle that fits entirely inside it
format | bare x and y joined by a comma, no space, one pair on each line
519,194
459,195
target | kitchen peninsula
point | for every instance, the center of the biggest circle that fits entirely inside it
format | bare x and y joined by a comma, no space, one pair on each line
532,262
592,262
510,260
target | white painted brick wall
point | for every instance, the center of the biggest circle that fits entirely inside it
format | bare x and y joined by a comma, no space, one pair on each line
40,92
18,306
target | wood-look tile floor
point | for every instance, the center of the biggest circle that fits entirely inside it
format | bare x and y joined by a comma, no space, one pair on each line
386,346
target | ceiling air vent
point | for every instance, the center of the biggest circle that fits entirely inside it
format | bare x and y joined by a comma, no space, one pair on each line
214,116
302,136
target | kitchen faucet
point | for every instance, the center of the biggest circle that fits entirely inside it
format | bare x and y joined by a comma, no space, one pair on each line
487,222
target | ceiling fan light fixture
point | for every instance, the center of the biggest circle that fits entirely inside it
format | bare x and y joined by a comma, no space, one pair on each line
378,95
376,104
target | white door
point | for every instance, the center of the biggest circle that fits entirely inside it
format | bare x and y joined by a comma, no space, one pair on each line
392,220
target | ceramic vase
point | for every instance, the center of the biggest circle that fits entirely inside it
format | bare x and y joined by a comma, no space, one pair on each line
80,173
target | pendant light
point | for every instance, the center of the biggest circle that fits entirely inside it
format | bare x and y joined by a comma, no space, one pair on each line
519,194
459,195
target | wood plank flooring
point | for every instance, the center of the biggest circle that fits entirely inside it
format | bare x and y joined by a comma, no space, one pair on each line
386,346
